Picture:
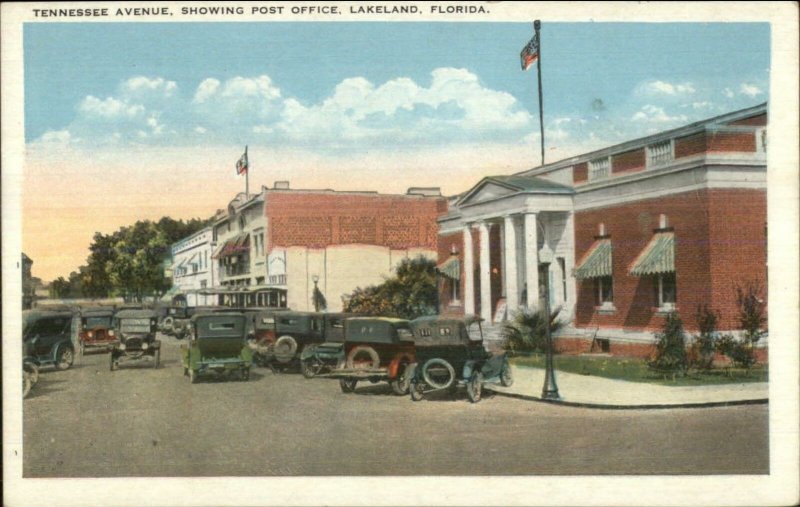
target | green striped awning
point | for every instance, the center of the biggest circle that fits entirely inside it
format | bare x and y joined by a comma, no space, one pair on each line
657,257
451,268
596,262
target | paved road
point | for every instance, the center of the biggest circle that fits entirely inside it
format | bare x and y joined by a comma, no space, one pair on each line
137,421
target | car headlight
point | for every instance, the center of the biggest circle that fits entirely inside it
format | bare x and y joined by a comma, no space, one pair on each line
90,334
144,346
121,346
110,332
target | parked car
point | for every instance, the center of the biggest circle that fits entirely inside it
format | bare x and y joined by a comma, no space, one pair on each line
375,349
97,329
324,357
217,344
449,353
47,337
30,376
136,334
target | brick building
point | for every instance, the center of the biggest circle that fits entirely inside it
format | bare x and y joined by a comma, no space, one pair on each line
619,236
290,240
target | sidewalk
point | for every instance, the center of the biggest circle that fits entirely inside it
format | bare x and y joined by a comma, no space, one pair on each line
600,392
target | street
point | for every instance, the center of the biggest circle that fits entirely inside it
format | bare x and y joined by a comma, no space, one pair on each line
137,421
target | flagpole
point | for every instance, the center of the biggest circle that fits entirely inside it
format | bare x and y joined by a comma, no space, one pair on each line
536,26
247,172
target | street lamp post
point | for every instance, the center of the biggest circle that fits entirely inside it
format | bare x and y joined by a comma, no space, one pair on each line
550,388
315,279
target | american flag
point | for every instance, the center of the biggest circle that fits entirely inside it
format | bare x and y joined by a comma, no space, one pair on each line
242,164
530,53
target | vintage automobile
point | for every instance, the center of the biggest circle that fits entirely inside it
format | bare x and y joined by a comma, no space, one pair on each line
30,375
449,353
136,337
47,337
217,344
324,357
375,349
97,330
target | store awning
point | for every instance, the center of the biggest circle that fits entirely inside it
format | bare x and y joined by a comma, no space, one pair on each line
657,257
233,246
596,262
451,268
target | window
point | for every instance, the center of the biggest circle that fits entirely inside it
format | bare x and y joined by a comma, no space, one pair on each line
424,331
604,290
660,153
455,289
599,168
562,265
445,331
666,291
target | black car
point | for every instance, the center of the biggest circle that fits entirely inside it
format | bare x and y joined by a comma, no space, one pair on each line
47,337
136,333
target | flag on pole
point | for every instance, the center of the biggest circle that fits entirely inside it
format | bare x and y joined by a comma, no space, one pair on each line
530,53
242,164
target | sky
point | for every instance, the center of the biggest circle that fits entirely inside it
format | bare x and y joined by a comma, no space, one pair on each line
129,121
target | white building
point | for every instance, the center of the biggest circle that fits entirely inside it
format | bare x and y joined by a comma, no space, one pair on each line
193,269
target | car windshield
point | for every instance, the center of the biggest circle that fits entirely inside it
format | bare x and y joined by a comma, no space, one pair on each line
92,322
47,327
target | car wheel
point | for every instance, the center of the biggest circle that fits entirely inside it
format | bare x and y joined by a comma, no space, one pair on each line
474,387
112,362
310,367
285,349
33,372
363,357
26,383
438,373
156,358
66,356
400,385
416,390
506,377
348,385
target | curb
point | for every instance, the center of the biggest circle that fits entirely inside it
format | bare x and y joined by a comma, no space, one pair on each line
731,403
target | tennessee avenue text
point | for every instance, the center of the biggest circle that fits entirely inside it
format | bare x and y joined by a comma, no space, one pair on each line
97,13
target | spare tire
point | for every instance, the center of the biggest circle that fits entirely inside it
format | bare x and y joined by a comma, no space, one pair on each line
438,373
168,323
363,357
285,348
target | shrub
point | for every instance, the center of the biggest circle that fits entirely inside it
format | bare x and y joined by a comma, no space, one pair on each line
740,352
526,332
751,311
669,355
701,353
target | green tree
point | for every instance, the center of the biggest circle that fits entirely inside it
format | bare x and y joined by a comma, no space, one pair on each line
670,352
527,331
59,288
411,293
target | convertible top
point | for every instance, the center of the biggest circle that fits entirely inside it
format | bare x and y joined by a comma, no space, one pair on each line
375,329
435,330
135,314
97,312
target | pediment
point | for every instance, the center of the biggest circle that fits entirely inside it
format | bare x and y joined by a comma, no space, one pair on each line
486,191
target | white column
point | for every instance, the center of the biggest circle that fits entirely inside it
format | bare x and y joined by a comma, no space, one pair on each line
485,270
469,266
510,256
571,295
532,260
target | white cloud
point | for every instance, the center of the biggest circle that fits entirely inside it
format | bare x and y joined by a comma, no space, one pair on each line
56,136
750,90
200,130
138,84
655,114
728,93
109,108
704,104
206,89
664,88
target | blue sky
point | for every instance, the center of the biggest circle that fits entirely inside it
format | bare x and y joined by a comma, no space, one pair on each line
147,120
596,76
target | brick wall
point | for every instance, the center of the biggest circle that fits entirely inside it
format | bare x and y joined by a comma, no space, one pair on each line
629,161
731,141
580,173
690,145
753,121
719,241
317,220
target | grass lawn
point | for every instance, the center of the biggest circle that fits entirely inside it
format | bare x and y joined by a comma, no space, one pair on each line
635,370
